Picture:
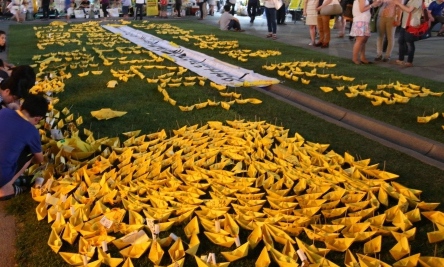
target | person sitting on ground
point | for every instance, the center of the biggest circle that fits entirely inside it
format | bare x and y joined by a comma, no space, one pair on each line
16,86
20,143
228,22
5,64
437,10
70,5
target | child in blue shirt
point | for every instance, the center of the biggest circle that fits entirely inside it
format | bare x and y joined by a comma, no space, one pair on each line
19,142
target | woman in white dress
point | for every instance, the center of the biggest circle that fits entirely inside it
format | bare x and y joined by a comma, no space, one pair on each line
311,18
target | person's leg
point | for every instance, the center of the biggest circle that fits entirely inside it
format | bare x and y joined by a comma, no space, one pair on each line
312,34
236,25
357,47
390,34
179,9
283,11
8,188
105,10
326,25
201,10
249,12
268,16
321,31
362,52
381,33
402,46
278,16
410,40
232,8
342,29
273,21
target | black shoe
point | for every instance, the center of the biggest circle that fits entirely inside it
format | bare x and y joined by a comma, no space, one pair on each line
23,181
318,44
378,58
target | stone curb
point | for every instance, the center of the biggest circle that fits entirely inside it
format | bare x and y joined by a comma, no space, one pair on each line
397,136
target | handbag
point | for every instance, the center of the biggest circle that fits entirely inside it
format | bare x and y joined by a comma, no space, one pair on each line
332,9
423,27
373,20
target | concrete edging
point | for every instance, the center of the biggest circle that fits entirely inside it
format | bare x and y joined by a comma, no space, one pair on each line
424,146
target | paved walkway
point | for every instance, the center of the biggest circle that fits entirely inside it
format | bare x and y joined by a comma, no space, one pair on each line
428,63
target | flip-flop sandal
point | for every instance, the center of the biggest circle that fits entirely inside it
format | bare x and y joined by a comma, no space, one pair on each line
269,35
17,191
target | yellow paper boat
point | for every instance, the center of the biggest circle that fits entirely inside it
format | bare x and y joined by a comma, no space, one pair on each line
236,254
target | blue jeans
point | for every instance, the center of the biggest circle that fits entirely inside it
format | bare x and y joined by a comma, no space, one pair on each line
406,43
270,13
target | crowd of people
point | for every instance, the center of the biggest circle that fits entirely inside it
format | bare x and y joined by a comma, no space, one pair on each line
390,14
19,113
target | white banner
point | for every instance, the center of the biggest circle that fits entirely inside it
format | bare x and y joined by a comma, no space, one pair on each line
215,70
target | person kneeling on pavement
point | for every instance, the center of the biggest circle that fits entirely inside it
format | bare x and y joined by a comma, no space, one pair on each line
228,22
20,143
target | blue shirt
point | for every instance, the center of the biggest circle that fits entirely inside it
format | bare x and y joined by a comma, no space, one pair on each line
16,134
436,8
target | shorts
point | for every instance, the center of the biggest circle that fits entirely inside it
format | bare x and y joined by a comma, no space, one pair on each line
163,8
360,28
125,10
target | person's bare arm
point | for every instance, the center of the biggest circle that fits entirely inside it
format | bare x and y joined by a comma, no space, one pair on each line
38,158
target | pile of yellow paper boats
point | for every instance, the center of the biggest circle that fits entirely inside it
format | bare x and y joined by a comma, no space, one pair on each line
155,194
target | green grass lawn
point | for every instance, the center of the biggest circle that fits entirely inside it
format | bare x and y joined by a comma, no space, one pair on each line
148,112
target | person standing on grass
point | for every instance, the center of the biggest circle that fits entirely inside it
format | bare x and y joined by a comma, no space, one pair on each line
125,8
228,22
270,14
311,18
252,9
20,143
387,23
139,9
361,28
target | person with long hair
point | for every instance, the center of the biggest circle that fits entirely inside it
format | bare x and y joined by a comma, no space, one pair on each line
311,18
